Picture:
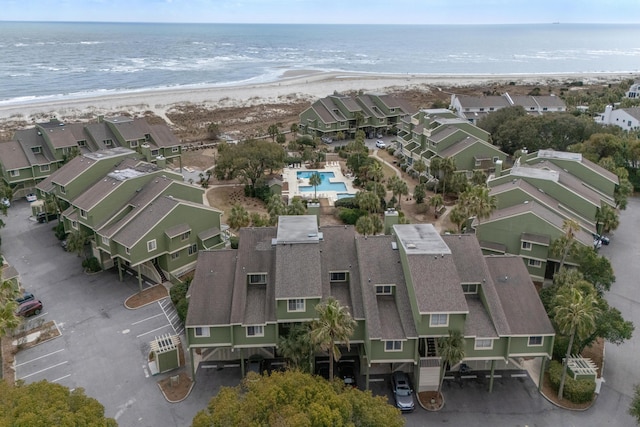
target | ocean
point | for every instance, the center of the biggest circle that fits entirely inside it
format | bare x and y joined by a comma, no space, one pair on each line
50,61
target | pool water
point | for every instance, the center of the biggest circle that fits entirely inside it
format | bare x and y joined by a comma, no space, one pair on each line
325,185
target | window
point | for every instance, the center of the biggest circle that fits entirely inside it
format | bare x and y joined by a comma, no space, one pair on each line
201,332
151,245
14,173
258,279
185,236
63,190
478,162
175,255
439,320
107,142
74,224
295,305
36,150
481,109
491,109
495,159
483,344
105,240
526,246
535,341
175,149
147,136
393,346
193,249
133,144
83,213
44,168
338,276
127,251
154,152
255,331
535,263
384,290
470,288
82,143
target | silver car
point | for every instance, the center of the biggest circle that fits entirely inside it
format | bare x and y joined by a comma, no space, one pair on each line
402,392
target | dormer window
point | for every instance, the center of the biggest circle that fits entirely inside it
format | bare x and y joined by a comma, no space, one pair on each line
185,236
36,150
82,143
83,213
470,288
45,168
133,144
338,276
384,289
63,190
257,278
107,142
154,152
440,319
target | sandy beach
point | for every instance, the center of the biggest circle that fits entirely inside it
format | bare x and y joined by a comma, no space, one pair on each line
293,86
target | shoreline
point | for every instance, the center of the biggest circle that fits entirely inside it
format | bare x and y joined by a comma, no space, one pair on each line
291,86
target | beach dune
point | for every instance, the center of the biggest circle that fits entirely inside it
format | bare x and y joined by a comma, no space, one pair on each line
292,86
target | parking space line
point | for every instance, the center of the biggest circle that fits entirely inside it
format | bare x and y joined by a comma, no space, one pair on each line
152,331
38,358
519,375
146,318
60,379
45,369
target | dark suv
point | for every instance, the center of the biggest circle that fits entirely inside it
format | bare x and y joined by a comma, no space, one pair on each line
46,217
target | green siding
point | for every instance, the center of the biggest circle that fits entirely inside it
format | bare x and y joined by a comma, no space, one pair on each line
378,354
499,349
520,346
241,339
310,310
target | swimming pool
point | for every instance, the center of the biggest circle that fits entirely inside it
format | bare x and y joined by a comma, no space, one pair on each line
325,185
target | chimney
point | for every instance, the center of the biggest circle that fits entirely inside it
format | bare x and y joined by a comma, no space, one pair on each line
498,168
391,218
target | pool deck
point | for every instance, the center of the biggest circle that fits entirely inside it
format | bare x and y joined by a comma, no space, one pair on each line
289,175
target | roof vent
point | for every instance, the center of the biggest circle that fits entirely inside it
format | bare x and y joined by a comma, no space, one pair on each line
411,246
394,246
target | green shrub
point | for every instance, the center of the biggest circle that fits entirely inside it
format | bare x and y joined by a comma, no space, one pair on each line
178,292
182,307
59,231
92,264
346,202
234,240
576,391
391,150
350,216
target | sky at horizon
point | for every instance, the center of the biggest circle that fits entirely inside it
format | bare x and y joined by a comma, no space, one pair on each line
326,11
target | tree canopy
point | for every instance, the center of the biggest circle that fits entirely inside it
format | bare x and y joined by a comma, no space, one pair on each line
49,404
248,160
296,399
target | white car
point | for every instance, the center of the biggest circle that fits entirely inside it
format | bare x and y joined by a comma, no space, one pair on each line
5,202
31,197
380,144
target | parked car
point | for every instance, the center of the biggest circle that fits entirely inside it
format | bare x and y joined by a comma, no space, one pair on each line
30,308
347,371
381,144
43,217
26,296
5,202
326,139
402,392
31,197
63,243
602,238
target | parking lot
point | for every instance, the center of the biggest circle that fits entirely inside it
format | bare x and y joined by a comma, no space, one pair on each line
103,348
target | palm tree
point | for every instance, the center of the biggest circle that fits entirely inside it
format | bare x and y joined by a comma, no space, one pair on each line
8,305
458,216
565,244
294,129
398,187
451,351
275,208
315,179
606,219
365,226
296,207
273,131
334,325
575,315
239,217
297,347
436,201
76,242
368,201
419,166
480,203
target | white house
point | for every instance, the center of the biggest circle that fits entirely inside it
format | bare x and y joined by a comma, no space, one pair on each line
634,91
473,108
626,118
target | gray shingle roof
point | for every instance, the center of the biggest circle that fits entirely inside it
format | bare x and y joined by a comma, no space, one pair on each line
298,271
211,290
339,254
387,318
518,296
13,156
255,254
478,323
